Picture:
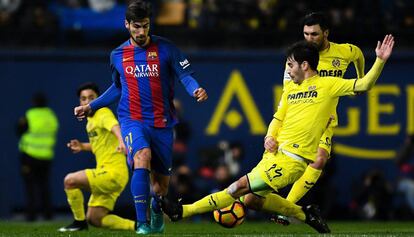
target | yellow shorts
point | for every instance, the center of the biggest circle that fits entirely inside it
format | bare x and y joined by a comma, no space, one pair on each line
274,172
326,140
106,186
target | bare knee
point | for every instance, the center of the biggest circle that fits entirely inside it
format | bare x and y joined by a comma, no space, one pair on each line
253,202
69,181
239,188
142,158
94,220
94,217
321,159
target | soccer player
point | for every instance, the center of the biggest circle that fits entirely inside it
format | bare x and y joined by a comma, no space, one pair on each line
303,114
334,60
144,69
110,176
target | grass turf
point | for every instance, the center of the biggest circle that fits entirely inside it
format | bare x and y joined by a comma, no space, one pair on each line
183,229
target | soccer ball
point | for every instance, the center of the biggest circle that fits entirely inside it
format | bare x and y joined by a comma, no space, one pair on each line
230,216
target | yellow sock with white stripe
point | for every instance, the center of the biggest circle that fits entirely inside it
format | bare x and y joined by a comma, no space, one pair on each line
208,203
304,184
276,204
75,200
115,222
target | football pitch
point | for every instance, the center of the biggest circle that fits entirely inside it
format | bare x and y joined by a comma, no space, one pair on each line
342,229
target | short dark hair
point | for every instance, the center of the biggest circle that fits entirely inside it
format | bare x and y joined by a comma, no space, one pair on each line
304,51
317,18
88,86
138,10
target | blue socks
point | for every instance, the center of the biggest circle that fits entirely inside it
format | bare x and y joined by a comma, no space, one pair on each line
155,204
140,189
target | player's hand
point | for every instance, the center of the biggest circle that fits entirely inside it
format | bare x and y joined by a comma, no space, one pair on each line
270,144
384,49
200,94
121,148
81,111
75,145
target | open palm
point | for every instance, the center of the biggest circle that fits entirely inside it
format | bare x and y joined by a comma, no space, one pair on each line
384,49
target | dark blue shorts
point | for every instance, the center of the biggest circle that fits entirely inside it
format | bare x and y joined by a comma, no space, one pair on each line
138,135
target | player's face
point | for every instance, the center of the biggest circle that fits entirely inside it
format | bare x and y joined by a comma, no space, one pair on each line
295,71
138,31
314,34
86,96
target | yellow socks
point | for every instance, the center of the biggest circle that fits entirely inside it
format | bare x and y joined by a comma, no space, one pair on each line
208,203
304,184
114,222
276,204
75,200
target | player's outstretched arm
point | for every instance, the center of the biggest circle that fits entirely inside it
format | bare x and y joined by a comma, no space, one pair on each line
383,52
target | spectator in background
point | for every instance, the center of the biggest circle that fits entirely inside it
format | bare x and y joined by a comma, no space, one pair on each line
41,24
405,163
8,12
101,5
38,129
373,200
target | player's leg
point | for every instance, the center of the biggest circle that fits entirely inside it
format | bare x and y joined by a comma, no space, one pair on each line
139,153
161,165
209,203
106,185
314,170
159,183
94,215
100,217
73,184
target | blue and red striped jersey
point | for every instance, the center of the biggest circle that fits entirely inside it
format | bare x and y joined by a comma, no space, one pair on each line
146,77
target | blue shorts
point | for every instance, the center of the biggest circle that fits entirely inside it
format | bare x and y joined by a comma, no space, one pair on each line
138,135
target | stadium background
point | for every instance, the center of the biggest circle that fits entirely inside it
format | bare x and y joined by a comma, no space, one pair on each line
236,48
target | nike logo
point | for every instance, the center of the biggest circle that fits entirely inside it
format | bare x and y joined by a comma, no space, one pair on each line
126,59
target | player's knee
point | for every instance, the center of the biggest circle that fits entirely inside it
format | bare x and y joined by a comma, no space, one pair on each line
142,158
94,219
238,188
69,181
253,202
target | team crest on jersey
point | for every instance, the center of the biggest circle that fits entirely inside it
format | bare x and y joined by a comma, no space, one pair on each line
152,55
336,62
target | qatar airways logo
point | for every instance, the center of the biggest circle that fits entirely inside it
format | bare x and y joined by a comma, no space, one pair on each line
143,70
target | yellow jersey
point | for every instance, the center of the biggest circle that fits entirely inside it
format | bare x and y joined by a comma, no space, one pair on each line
103,142
333,62
305,110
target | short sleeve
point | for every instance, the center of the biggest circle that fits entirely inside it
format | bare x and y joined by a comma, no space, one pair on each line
107,119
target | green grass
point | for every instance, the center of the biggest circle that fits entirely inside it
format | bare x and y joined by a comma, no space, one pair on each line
184,229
